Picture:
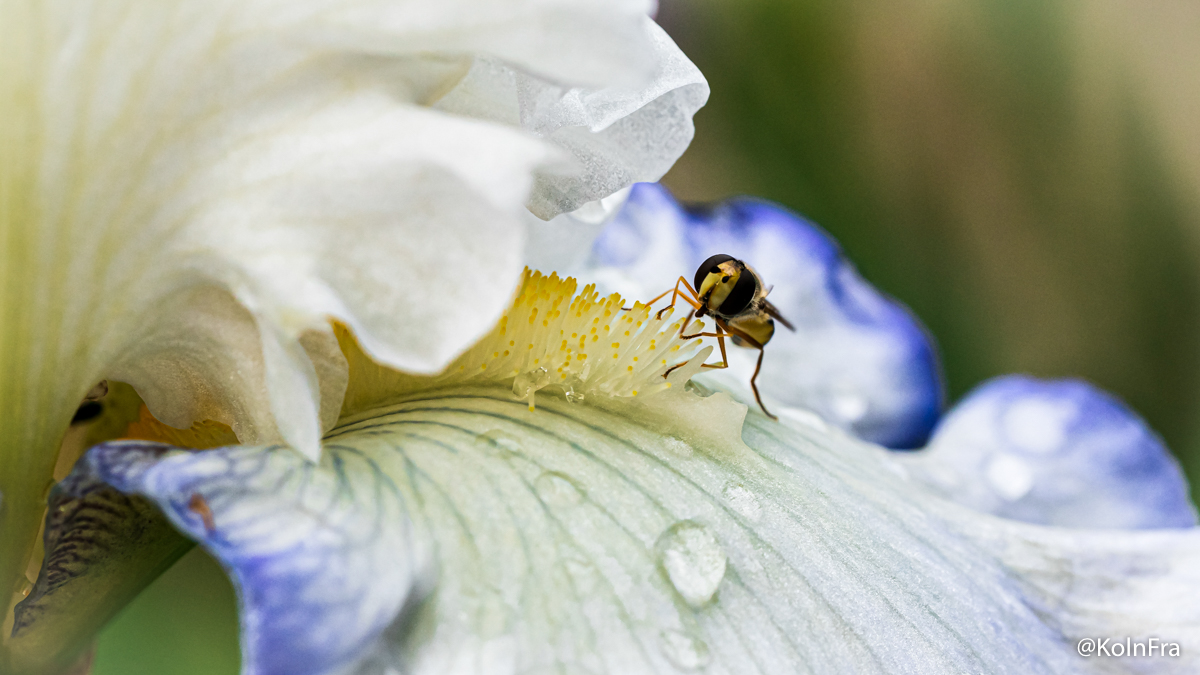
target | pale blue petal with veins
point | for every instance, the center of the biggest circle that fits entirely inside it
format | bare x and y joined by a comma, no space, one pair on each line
323,557
1055,452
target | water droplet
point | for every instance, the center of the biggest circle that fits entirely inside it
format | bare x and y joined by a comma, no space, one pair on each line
557,489
692,560
849,407
683,650
499,443
583,574
677,447
1011,477
528,382
572,389
1039,425
743,501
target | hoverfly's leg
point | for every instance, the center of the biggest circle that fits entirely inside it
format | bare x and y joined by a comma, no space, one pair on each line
660,296
757,345
720,341
755,386
694,301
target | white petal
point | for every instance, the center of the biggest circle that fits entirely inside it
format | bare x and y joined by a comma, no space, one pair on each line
614,137
278,151
649,539
273,149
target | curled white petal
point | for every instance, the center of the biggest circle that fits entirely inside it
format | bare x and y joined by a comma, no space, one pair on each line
613,137
283,153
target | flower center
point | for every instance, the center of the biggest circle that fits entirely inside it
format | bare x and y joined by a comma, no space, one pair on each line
554,337
580,343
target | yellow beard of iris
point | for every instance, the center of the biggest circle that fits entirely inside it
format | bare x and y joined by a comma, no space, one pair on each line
552,337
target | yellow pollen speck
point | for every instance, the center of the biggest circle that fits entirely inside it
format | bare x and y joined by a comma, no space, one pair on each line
531,345
616,356
605,326
531,408
536,361
634,358
616,345
574,334
595,337
607,313
596,320
635,392
495,354
626,333
483,367
511,343
593,330
668,385
506,354
630,369
664,362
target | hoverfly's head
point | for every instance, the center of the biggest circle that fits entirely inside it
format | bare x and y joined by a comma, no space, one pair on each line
724,285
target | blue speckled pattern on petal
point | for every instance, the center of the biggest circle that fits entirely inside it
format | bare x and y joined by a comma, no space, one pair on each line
857,358
321,556
1055,452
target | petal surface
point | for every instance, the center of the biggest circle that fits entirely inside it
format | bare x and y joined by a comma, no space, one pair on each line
1055,452
858,358
323,557
286,153
611,137
644,537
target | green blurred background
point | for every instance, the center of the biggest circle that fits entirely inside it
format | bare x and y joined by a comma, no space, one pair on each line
1024,174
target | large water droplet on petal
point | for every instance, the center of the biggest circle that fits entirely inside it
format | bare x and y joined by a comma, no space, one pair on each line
556,489
743,501
692,560
683,650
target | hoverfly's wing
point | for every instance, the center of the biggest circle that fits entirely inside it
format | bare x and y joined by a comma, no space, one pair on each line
774,314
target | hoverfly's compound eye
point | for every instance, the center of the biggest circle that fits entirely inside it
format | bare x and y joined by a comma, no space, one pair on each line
710,266
739,298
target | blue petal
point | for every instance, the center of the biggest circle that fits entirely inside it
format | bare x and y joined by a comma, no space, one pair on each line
1057,452
858,358
321,569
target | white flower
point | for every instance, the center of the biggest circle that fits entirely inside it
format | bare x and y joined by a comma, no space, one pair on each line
191,190
450,529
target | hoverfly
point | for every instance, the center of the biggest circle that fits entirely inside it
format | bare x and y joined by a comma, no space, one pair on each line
736,297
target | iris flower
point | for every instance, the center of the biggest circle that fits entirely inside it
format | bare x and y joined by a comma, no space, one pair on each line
192,192
296,228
